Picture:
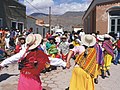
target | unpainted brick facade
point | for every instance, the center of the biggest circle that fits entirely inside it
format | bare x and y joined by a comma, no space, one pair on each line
102,17
98,18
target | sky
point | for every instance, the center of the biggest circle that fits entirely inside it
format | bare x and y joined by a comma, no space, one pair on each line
58,6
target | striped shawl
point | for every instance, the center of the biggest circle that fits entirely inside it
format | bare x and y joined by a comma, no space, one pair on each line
107,45
88,63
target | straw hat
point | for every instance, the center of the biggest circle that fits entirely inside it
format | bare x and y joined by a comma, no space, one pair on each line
22,37
88,40
33,40
63,37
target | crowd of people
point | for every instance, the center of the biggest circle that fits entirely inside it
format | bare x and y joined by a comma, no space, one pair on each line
93,54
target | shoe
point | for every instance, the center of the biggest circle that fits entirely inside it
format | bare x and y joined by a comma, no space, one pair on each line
53,68
114,63
96,80
67,88
63,68
102,75
118,62
108,72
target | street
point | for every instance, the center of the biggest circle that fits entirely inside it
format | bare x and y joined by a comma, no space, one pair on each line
57,79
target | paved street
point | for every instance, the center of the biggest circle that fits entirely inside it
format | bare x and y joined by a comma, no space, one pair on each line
57,79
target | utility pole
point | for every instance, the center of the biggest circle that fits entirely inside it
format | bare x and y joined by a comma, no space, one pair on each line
50,19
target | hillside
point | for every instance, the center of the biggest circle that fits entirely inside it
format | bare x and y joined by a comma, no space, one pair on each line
67,20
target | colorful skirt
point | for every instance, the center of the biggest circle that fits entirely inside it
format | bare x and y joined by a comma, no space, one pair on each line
81,80
26,83
98,71
107,62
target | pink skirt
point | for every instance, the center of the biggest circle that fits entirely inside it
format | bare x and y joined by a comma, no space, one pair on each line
26,83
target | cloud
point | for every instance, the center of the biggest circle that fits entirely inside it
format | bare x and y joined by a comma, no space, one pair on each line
38,5
64,7
60,8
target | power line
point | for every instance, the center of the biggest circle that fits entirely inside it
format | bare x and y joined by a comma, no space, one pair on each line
32,5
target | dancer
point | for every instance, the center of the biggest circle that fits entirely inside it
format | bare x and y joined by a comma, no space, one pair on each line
85,66
31,62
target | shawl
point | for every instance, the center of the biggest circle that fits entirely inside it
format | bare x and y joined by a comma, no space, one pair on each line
88,63
99,54
34,63
107,45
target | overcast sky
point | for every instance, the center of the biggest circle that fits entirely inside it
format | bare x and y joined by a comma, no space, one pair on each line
58,6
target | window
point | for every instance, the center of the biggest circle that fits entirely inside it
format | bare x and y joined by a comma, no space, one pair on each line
112,25
115,24
20,27
14,25
118,25
1,22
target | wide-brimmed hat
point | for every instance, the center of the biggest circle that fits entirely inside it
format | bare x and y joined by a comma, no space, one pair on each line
51,38
107,36
33,40
63,37
55,35
88,40
100,37
22,37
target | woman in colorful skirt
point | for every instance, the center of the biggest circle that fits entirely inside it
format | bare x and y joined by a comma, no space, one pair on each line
108,54
31,62
85,66
99,58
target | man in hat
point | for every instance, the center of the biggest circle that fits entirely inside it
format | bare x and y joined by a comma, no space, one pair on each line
64,47
20,44
85,66
31,62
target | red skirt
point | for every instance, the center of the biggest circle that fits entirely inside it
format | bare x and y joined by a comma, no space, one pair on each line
26,83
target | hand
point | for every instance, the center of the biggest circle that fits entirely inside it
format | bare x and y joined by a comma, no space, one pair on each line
68,65
1,67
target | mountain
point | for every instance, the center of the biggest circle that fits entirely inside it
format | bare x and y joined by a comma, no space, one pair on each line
67,20
74,14
38,15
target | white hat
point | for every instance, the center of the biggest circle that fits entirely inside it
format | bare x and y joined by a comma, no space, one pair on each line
100,37
63,37
54,35
107,36
77,40
88,40
33,40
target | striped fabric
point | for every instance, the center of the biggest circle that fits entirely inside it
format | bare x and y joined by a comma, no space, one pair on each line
99,54
107,45
88,63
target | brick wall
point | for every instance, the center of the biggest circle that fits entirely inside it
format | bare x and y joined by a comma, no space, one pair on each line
102,17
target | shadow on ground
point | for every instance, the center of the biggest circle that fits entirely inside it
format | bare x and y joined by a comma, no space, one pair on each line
6,76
